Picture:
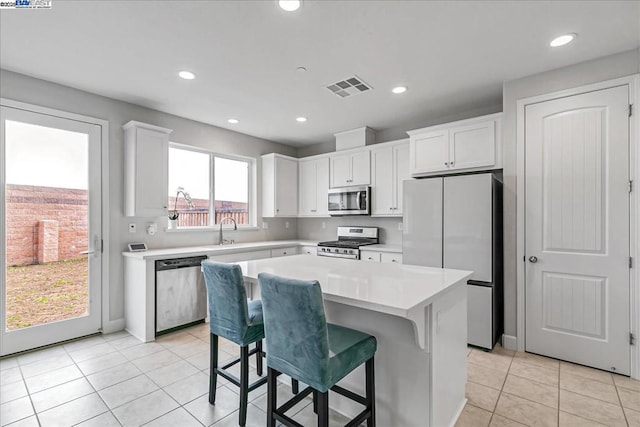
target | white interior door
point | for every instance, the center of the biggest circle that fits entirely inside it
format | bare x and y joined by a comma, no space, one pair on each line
50,232
577,229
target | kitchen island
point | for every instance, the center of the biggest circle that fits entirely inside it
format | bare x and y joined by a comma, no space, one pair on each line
417,314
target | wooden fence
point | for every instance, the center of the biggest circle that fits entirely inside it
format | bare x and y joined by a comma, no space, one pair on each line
200,218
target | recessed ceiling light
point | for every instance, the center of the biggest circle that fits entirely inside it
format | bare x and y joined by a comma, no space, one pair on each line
290,5
233,121
399,89
301,119
187,75
562,40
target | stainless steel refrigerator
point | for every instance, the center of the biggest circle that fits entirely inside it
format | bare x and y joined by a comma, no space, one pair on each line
456,222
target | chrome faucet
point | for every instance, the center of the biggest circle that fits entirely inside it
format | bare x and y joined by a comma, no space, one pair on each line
235,227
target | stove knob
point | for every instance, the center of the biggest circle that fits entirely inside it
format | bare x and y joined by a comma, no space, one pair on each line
345,251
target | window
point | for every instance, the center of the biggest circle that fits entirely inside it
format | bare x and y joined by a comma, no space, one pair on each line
206,187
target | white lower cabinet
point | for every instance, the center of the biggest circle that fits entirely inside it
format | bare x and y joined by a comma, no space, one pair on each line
309,250
391,257
293,250
370,256
386,257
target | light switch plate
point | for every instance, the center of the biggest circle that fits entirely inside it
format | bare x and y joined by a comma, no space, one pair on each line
132,228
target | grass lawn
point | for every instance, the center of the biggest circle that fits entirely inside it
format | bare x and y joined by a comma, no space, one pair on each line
44,293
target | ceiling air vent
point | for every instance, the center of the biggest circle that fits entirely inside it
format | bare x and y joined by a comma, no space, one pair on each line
349,86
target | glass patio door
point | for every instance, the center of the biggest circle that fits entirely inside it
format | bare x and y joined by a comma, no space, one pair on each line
50,245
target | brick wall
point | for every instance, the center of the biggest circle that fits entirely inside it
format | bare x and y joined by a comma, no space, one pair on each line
37,211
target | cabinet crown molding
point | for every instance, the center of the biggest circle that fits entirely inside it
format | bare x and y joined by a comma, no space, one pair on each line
134,124
494,116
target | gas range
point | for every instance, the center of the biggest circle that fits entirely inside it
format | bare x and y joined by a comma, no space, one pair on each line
349,241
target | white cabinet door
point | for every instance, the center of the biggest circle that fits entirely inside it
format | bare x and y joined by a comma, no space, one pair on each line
370,256
391,257
472,146
292,250
322,187
382,182
146,169
340,171
402,173
389,168
360,168
310,250
313,187
430,152
279,186
353,168
307,186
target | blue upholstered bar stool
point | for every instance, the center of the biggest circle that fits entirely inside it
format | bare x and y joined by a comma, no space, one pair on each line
304,346
233,318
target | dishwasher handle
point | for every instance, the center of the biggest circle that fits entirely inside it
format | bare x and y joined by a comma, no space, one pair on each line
172,264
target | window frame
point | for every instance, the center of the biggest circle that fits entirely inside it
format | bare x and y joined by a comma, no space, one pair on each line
251,188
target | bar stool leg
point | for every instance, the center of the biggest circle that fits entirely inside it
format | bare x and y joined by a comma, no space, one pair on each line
323,409
294,386
213,365
370,386
259,355
315,402
244,384
272,396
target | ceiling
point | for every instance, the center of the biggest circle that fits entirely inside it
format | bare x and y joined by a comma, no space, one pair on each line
453,56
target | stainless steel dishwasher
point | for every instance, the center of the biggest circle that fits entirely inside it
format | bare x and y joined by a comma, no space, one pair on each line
181,295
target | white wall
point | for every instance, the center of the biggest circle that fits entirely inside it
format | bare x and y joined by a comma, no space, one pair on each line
43,93
619,65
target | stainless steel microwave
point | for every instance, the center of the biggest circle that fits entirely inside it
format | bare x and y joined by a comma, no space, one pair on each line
349,201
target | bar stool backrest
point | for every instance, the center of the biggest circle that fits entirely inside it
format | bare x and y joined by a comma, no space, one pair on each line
295,328
228,311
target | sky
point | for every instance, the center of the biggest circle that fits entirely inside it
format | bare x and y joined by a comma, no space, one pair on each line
190,169
43,156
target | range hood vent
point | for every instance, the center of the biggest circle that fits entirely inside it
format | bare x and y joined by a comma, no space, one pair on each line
349,86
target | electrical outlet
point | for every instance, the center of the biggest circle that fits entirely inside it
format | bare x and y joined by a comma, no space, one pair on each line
324,224
132,228
400,226
265,225
286,224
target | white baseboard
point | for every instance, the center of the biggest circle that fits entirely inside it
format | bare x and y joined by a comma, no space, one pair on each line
458,412
509,342
111,326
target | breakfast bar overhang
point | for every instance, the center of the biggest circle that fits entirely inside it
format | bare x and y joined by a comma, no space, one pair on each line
419,317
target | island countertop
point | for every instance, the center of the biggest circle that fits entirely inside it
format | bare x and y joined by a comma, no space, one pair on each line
389,288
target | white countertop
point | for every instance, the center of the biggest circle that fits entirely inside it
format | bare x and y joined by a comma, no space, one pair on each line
389,288
383,248
153,254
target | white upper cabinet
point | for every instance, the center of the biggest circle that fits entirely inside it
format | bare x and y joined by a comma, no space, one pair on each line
279,186
467,145
350,168
313,186
389,167
146,151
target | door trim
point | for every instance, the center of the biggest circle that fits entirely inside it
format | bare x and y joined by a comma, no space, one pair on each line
633,82
107,324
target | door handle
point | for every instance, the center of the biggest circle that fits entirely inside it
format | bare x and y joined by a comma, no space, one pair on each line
533,259
87,252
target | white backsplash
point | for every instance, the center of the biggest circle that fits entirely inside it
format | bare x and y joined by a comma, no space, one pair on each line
311,228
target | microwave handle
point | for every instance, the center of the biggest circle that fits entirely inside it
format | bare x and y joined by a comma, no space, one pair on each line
361,200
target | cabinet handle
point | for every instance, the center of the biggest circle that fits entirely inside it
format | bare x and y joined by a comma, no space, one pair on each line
284,253
393,260
370,258
451,164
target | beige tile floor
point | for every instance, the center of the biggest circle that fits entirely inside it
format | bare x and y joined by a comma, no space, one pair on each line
505,388
115,380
